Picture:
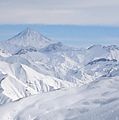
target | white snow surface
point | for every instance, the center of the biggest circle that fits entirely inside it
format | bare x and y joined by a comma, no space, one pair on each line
96,101
41,79
30,38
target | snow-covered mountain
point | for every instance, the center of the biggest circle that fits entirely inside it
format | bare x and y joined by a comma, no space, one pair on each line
30,38
96,101
31,64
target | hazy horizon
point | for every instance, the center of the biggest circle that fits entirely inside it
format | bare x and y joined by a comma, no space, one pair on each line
73,35
75,23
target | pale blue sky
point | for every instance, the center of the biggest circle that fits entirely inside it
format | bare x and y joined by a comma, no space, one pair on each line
73,35
74,22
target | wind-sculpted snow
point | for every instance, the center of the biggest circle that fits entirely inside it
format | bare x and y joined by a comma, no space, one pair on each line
31,64
96,101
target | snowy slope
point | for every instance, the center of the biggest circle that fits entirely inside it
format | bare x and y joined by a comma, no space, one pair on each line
84,81
30,38
22,81
53,59
97,101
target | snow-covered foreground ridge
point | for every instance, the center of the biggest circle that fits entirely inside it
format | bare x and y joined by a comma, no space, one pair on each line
96,101
45,80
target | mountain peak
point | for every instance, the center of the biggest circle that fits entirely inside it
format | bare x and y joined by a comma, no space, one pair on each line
29,31
30,38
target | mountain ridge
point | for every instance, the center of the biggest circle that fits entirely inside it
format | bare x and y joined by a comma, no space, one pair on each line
45,80
29,38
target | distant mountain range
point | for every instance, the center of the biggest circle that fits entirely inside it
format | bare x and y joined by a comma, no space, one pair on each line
31,64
